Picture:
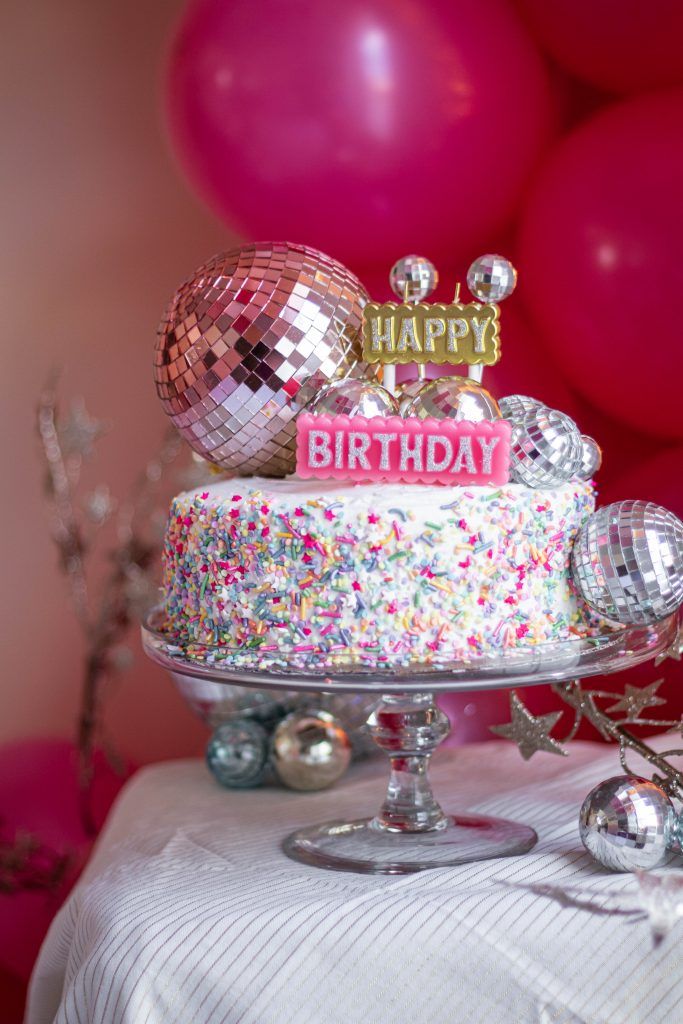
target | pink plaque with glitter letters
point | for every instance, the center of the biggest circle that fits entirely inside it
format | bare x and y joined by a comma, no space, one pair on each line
407,450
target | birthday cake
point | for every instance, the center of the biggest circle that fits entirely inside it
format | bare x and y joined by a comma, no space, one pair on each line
406,573
425,523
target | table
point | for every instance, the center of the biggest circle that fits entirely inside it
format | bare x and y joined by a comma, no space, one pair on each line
188,912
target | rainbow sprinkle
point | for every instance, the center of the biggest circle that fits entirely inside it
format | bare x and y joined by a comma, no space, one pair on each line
364,570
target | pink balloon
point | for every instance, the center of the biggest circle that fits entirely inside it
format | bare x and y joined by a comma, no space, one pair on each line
39,795
12,997
600,264
525,368
619,45
369,128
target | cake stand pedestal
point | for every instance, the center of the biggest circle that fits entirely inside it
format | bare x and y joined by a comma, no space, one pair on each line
410,832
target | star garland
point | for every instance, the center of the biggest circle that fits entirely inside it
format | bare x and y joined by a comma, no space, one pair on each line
534,733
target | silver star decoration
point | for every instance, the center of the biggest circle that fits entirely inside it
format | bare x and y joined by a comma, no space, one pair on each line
99,504
636,698
530,732
79,431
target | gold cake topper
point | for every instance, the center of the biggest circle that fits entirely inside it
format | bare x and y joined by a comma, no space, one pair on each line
431,333
416,331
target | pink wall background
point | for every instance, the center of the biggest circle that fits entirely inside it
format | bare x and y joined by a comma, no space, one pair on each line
98,228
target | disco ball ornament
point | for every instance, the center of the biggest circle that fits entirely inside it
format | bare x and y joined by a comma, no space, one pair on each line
455,398
353,397
413,278
515,407
627,824
247,342
310,750
627,562
491,278
591,458
237,753
406,392
545,448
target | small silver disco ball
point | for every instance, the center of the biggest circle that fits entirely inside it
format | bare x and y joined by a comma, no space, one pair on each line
413,278
626,824
354,397
492,278
456,398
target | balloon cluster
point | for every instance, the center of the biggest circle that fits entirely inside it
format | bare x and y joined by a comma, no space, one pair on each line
590,183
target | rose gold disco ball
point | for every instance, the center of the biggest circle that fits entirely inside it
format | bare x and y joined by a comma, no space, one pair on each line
247,342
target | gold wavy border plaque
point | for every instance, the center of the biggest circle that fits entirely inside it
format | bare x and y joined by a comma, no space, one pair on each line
431,333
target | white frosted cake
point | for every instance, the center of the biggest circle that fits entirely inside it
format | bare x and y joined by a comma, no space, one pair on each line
374,572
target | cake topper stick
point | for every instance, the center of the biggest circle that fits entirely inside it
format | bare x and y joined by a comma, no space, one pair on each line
475,371
412,279
491,278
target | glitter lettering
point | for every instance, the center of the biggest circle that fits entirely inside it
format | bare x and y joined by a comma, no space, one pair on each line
407,337
381,338
428,451
319,453
385,440
464,457
408,454
435,465
434,327
487,447
359,442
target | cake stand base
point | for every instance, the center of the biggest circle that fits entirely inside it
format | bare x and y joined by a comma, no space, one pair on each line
411,832
364,846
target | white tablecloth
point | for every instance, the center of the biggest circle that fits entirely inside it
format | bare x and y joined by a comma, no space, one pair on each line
189,912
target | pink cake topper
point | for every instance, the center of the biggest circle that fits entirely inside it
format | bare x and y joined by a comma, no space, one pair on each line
412,450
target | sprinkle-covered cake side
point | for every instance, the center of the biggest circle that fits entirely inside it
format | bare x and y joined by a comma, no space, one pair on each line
406,572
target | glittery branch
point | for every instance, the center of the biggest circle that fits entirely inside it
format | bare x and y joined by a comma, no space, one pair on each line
128,586
28,864
585,704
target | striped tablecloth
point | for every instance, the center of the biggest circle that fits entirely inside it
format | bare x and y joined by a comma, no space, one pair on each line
189,912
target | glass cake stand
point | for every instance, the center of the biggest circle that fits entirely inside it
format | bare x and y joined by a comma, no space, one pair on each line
410,832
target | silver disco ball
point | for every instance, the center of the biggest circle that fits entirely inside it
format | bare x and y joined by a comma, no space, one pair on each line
491,278
515,407
455,398
413,278
545,448
591,458
627,562
406,392
353,397
626,824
